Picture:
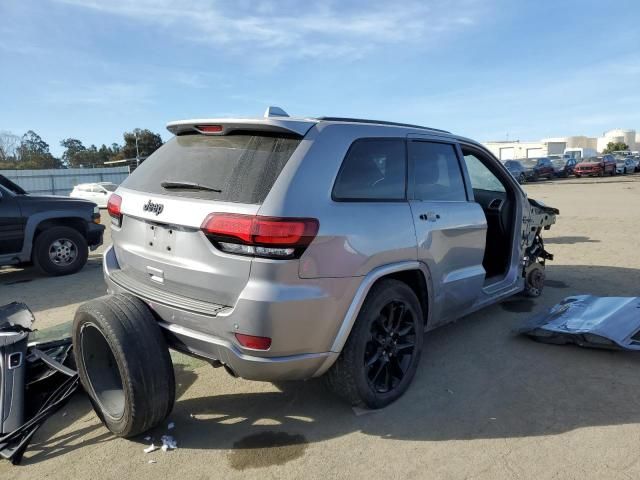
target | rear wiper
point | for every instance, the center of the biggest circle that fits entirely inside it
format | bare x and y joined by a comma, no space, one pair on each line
189,186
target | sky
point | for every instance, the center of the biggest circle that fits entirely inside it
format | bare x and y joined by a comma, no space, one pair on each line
486,69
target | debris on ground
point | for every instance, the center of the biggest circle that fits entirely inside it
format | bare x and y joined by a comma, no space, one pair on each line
151,448
168,443
35,380
589,321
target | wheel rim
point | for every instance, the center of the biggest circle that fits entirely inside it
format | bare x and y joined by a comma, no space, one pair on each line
63,252
390,351
102,372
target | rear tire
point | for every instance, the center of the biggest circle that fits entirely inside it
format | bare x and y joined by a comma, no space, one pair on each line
60,251
123,363
380,358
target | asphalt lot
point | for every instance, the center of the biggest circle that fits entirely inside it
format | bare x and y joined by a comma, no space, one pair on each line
485,403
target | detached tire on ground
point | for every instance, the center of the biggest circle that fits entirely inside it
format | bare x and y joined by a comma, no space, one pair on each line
60,251
381,355
124,363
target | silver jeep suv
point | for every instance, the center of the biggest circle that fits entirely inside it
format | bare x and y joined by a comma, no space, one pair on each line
287,248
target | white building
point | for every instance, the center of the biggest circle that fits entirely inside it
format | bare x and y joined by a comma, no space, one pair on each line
616,136
552,146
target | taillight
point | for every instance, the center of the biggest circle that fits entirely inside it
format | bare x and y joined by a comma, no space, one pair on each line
113,207
270,237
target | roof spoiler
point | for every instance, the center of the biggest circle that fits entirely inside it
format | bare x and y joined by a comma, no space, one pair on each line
223,126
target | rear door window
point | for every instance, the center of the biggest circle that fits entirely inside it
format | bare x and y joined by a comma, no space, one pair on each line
436,172
238,168
374,169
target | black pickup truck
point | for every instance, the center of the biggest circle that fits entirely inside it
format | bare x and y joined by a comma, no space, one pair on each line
55,233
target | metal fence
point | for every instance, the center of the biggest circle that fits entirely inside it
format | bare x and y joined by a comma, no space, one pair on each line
62,181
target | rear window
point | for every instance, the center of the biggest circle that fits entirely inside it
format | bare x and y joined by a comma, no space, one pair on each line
241,167
373,170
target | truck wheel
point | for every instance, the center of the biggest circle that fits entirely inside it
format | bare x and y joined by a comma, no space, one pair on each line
124,363
380,358
522,178
60,251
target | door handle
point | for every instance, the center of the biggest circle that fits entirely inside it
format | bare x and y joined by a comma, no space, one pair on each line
429,216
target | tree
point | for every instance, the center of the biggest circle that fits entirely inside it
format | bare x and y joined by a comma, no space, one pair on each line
73,147
9,144
615,146
77,155
148,142
34,152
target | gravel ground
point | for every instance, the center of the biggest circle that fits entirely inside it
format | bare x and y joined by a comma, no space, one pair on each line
485,403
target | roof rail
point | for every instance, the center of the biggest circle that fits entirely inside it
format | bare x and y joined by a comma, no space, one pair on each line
378,122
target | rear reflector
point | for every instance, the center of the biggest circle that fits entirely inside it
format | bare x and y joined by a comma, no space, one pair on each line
251,341
272,237
113,207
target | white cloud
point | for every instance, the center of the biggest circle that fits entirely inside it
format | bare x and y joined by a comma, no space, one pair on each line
291,29
99,95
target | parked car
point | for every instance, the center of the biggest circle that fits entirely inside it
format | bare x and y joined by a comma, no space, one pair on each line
625,165
563,165
98,193
601,165
636,161
55,233
519,171
286,248
541,167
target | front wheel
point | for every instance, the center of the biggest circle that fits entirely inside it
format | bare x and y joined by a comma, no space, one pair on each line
60,251
522,178
380,358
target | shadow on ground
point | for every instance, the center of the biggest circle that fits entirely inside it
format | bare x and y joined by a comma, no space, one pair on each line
477,380
56,437
569,240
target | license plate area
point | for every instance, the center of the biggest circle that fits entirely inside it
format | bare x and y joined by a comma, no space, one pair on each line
160,238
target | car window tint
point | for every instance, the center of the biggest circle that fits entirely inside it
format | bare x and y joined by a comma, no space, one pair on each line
436,172
481,177
240,167
373,169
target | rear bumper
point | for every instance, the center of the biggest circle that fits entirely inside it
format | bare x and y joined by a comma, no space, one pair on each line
302,322
293,367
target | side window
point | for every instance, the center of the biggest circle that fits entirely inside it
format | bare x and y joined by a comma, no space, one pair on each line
436,172
481,177
374,169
